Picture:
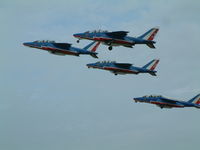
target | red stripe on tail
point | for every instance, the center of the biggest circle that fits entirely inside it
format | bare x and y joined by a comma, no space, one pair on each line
95,47
198,102
153,35
154,66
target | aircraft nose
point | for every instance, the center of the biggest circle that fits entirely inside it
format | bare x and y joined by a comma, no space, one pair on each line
90,65
137,99
28,44
77,35
25,44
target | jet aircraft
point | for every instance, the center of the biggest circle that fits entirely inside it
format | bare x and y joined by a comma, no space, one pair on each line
125,68
64,48
164,102
119,38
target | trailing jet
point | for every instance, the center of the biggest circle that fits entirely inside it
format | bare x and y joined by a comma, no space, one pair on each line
125,68
64,48
119,38
164,102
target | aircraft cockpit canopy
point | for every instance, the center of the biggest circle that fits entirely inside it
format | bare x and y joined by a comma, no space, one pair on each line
152,96
105,62
96,31
44,41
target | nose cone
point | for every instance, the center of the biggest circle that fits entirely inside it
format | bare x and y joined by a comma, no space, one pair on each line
92,65
135,99
78,35
29,44
138,99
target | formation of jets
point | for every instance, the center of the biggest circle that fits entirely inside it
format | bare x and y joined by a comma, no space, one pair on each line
116,38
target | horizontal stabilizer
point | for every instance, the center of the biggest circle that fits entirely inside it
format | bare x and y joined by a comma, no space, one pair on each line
94,55
151,45
153,73
197,106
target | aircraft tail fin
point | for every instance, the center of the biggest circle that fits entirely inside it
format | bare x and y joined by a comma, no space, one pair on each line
195,100
151,65
149,35
92,47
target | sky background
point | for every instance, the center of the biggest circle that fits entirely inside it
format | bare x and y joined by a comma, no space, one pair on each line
53,102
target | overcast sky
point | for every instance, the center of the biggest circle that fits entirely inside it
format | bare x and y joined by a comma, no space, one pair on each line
53,102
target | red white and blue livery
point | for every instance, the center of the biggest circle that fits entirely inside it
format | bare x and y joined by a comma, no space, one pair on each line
119,38
164,102
64,48
125,68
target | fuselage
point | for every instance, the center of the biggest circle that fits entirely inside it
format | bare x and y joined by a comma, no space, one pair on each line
164,102
111,41
57,48
118,68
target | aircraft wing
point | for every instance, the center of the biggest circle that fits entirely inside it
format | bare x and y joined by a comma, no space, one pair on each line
62,45
123,65
169,100
117,34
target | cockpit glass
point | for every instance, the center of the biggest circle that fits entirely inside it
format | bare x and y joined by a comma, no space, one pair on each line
96,31
44,41
105,62
152,96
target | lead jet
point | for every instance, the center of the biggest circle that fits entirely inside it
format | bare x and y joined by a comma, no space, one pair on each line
164,102
125,68
64,48
119,38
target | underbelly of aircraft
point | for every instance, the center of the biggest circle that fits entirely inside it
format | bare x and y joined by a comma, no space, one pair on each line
59,51
120,71
117,44
166,105
56,53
